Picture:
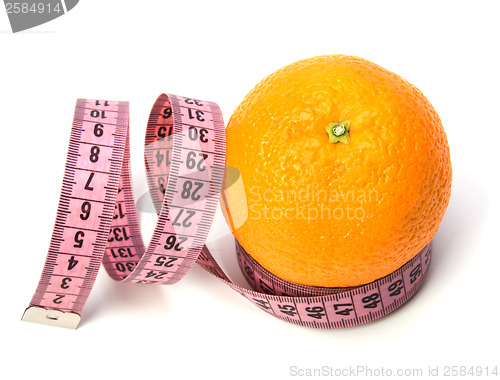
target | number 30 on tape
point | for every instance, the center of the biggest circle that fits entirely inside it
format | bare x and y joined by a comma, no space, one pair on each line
184,153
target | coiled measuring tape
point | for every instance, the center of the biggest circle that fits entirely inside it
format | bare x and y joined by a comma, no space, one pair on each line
96,222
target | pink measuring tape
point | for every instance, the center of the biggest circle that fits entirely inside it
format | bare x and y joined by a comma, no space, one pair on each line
184,155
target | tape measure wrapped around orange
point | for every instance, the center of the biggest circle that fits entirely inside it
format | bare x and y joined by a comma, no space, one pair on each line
293,152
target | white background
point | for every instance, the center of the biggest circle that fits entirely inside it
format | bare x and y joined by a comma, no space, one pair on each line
218,50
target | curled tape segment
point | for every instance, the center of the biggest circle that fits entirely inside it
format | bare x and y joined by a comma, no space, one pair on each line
184,157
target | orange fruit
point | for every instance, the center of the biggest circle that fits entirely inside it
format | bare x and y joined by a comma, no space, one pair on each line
345,172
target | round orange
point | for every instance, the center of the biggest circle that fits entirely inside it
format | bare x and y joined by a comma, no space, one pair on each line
345,172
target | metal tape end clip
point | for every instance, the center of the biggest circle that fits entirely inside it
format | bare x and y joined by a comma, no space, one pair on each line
57,318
